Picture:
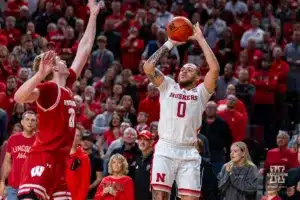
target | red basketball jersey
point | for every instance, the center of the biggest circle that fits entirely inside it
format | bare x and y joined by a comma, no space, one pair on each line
56,117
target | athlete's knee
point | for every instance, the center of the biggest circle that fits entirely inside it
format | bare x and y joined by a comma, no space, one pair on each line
29,196
189,198
160,195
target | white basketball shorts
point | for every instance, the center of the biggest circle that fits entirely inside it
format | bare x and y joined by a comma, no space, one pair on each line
180,163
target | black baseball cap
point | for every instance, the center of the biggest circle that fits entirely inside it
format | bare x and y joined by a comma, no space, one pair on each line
88,136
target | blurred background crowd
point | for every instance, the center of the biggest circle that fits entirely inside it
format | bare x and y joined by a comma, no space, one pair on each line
257,100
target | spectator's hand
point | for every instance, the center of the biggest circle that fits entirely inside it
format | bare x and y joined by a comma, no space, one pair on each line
95,7
228,167
106,190
197,33
261,171
47,63
109,190
112,191
290,191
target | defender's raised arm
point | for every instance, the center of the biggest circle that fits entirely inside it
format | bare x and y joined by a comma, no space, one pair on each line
86,43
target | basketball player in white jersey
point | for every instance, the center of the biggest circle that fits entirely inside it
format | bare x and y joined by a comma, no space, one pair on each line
181,108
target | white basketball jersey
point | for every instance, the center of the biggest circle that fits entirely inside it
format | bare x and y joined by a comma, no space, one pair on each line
180,112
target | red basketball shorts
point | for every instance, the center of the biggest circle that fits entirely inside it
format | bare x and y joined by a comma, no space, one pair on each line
44,173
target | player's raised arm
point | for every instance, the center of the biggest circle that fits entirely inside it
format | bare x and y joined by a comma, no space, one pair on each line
87,41
28,92
154,75
210,80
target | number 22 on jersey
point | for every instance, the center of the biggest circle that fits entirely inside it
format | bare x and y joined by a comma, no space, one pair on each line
71,112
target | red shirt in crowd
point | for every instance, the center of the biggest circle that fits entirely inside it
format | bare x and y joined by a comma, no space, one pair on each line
116,18
152,107
254,56
131,53
266,85
2,87
281,69
18,146
13,35
13,8
238,29
10,70
133,7
3,39
57,37
109,137
83,119
78,177
123,186
288,28
239,106
142,82
281,157
268,198
237,123
7,103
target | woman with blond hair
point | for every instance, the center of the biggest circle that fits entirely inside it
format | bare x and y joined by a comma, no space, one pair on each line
238,177
127,110
117,186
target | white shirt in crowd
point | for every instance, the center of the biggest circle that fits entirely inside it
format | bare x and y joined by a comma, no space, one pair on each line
255,34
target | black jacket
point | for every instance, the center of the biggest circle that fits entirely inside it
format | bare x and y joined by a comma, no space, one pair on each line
292,180
209,181
219,137
143,166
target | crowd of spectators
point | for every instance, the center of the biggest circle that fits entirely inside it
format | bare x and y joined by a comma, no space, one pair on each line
257,99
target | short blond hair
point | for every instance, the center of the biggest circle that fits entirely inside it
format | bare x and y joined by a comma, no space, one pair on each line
123,161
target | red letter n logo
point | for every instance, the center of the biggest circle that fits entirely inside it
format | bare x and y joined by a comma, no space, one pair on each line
160,177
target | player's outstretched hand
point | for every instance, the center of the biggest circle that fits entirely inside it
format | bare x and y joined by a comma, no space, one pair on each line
176,43
95,7
47,63
197,33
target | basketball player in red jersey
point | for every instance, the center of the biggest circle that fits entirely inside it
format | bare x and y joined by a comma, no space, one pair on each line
43,175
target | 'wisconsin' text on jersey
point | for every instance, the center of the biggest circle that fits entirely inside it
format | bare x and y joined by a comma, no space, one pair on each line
69,103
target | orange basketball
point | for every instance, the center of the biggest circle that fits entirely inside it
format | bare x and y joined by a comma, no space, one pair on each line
180,29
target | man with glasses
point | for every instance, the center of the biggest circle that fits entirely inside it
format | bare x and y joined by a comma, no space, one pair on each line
129,148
